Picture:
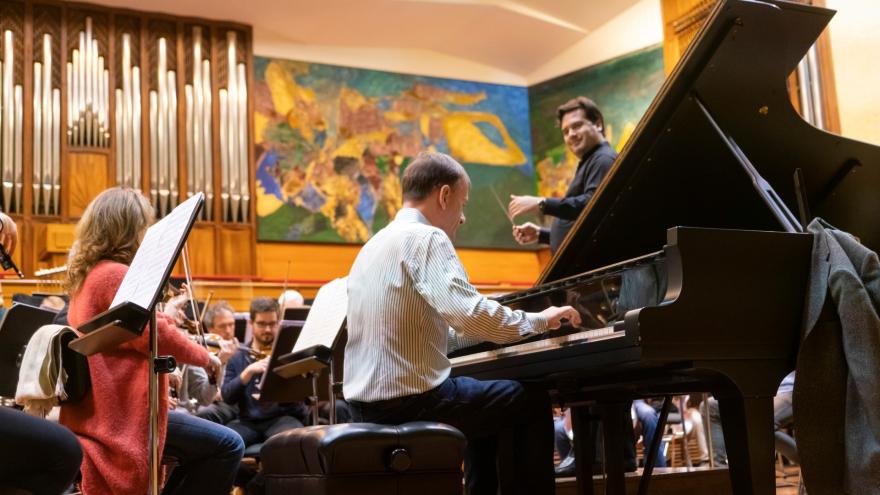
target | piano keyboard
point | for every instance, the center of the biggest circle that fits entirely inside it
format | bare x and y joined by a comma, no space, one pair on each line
539,345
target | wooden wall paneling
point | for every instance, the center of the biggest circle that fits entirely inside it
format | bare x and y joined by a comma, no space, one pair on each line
202,248
90,173
236,250
51,243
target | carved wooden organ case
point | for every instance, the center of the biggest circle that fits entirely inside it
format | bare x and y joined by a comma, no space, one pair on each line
93,97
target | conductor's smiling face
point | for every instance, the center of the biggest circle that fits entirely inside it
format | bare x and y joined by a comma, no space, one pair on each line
265,326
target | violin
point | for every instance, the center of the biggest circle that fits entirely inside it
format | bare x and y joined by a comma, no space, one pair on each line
213,342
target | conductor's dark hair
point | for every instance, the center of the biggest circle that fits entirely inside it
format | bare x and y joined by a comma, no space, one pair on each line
591,111
264,305
429,171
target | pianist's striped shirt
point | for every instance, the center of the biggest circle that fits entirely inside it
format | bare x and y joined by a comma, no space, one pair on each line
405,290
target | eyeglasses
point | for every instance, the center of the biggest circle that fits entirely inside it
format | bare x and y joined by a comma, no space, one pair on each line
265,324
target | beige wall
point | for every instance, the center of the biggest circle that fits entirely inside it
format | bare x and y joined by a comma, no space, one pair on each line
855,48
633,29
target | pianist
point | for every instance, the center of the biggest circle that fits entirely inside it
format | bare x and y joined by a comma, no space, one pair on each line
583,130
406,289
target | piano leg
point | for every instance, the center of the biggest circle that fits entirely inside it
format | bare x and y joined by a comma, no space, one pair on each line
614,417
748,436
585,429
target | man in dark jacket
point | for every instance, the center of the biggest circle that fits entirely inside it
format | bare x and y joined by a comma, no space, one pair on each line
583,129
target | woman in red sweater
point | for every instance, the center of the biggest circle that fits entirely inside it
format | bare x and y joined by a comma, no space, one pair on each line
112,420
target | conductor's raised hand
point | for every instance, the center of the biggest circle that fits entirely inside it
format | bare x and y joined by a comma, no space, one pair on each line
520,205
526,233
8,233
556,316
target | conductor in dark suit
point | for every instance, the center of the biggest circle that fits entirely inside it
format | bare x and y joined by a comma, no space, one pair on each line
583,129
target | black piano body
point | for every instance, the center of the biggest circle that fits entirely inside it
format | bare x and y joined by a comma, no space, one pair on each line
688,267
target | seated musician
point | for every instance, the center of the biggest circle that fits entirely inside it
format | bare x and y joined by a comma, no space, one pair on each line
291,299
198,388
220,321
112,420
37,456
258,420
406,289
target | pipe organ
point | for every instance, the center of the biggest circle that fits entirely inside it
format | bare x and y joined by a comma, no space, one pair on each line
92,97
11,141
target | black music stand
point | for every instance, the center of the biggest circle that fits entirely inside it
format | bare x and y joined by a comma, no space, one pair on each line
16,329
312,351
135,306
300,313
279,385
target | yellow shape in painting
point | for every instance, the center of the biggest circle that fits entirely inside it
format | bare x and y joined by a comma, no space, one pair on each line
457,98
292,100
282,88
628,129
260,123
469,144
342,196
267,204
392,194
355,146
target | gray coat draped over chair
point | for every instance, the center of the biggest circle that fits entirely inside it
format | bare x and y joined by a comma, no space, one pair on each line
837,391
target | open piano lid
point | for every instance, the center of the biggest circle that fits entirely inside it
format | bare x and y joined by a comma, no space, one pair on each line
720,126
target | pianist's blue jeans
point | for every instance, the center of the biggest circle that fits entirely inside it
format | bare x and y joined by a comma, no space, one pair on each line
502,419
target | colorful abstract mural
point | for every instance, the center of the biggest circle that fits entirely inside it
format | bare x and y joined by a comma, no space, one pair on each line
623,88
332,144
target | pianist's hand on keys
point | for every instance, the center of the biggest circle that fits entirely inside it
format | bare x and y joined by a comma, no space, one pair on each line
557,316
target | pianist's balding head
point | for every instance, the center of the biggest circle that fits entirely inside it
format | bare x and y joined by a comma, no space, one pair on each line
437,186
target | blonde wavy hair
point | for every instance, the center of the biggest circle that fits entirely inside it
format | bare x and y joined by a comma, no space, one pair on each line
110,229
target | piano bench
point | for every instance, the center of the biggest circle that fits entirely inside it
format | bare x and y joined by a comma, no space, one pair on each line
420,458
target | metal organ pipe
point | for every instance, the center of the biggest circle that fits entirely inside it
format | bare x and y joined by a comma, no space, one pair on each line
11,145
87,122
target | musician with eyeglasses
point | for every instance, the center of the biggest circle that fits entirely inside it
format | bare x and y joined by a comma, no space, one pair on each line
258,420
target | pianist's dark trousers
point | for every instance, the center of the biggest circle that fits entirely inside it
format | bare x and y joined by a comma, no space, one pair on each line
506,424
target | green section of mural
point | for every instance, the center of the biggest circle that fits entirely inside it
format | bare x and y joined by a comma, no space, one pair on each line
623,88
332,144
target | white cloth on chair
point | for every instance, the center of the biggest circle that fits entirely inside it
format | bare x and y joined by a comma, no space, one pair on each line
41,377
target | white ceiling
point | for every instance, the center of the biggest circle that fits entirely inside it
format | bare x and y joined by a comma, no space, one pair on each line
516,36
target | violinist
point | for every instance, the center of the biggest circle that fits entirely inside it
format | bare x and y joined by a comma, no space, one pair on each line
258,420
219,320
111,421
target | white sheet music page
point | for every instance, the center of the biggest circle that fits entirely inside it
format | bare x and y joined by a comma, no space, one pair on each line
156,253
325,317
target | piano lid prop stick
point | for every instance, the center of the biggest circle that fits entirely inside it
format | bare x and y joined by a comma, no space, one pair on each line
501,205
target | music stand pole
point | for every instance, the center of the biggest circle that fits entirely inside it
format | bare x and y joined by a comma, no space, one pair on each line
331,396
154,407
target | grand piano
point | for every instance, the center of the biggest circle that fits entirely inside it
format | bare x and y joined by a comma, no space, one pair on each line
688,266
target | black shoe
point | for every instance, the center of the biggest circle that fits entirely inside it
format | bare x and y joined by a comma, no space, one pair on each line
566,467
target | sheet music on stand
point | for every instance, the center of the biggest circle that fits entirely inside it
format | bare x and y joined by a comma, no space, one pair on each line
142,284
141,288
325,316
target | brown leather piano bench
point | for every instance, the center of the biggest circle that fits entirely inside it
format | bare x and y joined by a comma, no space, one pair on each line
419,458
